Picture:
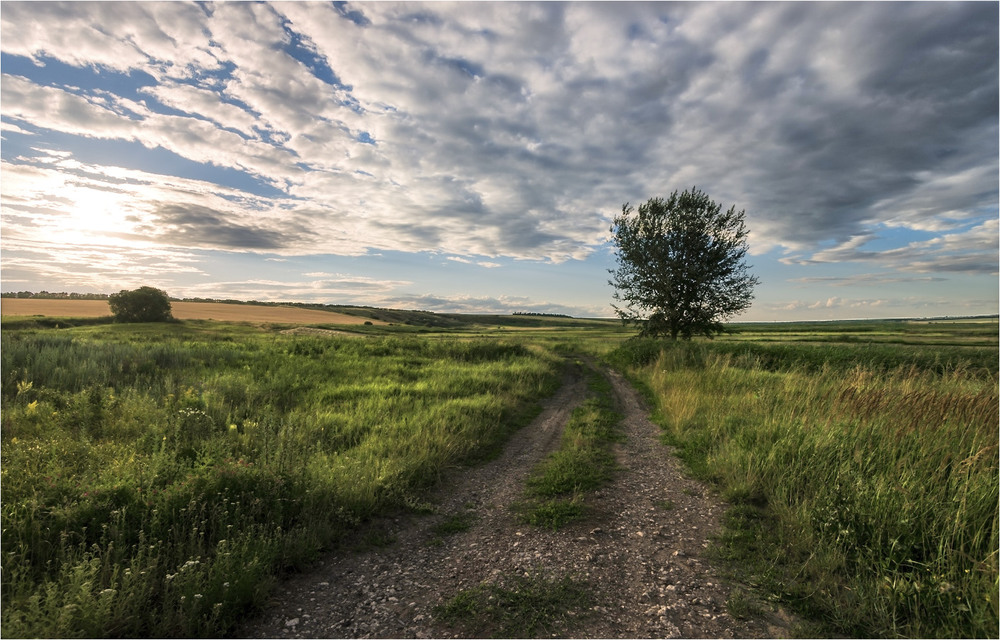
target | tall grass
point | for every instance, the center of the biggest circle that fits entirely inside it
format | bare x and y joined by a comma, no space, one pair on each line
155,481
556,488
867,495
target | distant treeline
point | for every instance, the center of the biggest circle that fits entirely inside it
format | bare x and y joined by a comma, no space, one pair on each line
46,295
535,313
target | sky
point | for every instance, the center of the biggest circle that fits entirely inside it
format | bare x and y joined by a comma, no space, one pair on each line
469,157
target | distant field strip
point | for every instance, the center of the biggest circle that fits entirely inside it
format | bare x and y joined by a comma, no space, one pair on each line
181,311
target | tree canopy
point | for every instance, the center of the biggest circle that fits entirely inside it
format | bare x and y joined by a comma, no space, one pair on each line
145,304
681,268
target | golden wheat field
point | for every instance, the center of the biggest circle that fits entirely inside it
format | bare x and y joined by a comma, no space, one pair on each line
181,311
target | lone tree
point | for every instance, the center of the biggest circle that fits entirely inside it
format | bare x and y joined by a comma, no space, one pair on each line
145,304
681,268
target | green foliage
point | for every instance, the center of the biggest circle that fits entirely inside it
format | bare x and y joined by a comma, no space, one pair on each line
555,488
145,304
155,478
522,606
864,493
51,322
552,513
455,523
979,362
740,606
681,268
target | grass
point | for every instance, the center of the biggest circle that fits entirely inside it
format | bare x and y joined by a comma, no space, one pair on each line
741,606
863,478
156,480
552,513
455,523
452,524
521,606
555,490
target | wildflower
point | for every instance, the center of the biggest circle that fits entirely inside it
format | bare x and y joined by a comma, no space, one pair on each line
225,585
32,407
197,596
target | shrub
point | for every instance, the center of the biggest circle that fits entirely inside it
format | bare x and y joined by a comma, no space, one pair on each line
145,304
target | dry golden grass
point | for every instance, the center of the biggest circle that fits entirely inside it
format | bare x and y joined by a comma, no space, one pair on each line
181,311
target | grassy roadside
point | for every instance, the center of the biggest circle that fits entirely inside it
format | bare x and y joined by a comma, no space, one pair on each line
537,605
156,479
863,478
556,489
521,606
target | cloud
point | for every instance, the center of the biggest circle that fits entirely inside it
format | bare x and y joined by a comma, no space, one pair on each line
482,263
82,267
829,304
13,128
316,287
972,251
198,225
866,279
890,307
487,305
115,118
205,104
167,38
348,282
519,129
362,290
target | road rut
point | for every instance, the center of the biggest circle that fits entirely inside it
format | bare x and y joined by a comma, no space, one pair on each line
640,550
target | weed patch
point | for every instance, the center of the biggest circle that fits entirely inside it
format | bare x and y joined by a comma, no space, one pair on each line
455,523
523,606
553,514
555,489
740,605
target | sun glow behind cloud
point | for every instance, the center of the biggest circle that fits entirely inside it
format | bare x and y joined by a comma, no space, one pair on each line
497,138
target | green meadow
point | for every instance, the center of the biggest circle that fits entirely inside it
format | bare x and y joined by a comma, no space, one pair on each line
860,461
157,480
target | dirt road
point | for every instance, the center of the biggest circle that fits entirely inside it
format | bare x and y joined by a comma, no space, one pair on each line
640,551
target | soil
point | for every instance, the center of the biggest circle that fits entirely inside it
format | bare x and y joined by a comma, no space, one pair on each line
640,550
182,311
